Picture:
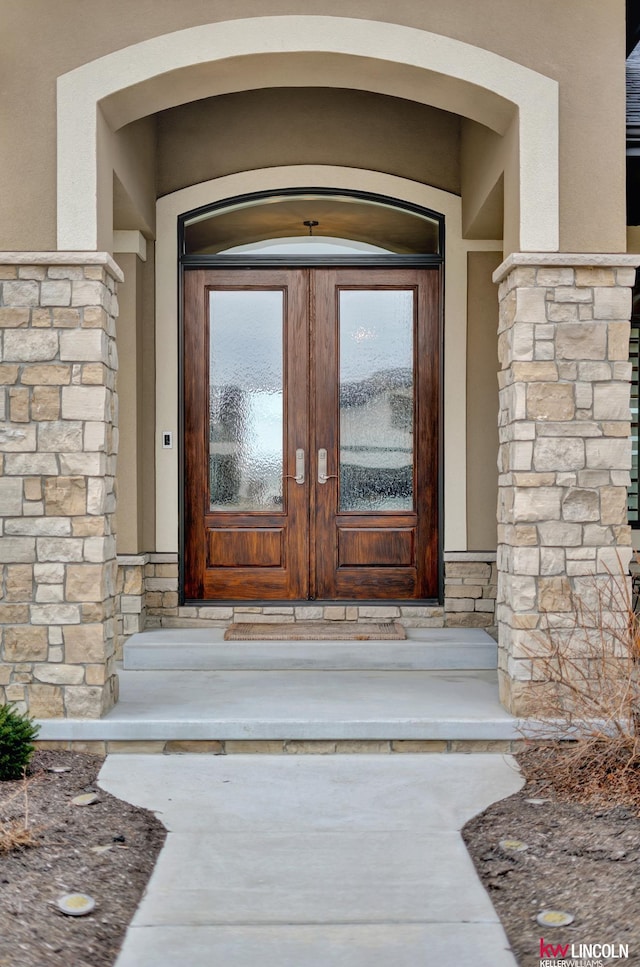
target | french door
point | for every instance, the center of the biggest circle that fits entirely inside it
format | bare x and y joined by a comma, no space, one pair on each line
311,433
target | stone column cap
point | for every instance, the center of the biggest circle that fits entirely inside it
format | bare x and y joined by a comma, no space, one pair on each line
64,258
566,259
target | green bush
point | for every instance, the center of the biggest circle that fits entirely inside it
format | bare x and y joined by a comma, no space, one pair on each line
17,733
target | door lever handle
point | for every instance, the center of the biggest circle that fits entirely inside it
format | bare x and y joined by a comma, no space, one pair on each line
299,475
323,476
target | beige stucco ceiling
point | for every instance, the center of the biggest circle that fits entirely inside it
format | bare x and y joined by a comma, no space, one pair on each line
339,217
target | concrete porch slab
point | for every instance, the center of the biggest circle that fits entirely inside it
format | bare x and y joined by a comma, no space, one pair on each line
306,705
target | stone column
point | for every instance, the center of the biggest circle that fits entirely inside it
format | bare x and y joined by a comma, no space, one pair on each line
565,449
58,446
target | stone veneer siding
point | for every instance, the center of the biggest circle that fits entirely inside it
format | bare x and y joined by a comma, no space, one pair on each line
148,598
58,443
565,449
282,746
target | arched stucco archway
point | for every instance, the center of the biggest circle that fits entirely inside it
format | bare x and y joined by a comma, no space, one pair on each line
104,95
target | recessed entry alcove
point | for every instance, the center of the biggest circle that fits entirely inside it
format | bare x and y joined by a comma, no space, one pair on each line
311,373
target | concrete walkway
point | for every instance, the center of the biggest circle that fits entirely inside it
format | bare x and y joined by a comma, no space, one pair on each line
314,861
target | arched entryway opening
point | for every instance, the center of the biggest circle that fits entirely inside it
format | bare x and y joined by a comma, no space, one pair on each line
312,399
509,134
509,140
458,403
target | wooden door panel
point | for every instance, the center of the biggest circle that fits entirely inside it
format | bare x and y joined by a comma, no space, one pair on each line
375,584
260,547
244,553
392,554
362,547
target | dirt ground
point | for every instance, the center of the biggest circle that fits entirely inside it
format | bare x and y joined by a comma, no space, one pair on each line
33,932
580,858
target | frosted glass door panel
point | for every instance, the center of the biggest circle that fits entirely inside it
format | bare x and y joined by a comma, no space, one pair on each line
246,407
376,399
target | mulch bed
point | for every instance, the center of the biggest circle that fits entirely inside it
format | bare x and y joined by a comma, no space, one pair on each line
33,932
583,858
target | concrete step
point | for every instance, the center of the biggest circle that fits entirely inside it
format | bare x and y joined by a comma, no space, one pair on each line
294,706
425,649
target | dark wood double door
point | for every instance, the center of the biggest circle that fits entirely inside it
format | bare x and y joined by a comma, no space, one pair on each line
311,433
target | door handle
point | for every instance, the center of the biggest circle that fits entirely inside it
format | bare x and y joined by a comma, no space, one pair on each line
299,475
323,476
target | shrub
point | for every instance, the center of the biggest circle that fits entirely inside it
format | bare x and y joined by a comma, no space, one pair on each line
17,733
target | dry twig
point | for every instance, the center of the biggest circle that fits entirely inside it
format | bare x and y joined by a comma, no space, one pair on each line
15,832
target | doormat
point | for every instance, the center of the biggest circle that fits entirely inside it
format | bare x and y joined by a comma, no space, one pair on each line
316,631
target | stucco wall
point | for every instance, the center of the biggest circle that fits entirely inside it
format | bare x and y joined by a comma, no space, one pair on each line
135,474
482,400
147,526
133,156
129,466
536,35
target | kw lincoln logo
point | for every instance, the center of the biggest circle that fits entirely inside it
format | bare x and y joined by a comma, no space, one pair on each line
581,954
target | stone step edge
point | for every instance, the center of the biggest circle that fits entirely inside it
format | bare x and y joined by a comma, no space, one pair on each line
285,747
